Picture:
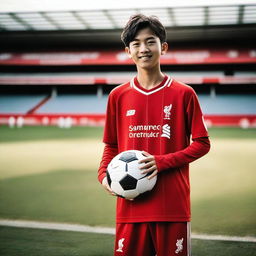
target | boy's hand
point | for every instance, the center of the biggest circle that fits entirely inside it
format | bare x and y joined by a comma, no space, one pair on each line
149,165
107,187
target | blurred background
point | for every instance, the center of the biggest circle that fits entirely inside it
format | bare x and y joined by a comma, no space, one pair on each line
58,62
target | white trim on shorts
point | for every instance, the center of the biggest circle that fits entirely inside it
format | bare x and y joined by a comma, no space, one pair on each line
188,238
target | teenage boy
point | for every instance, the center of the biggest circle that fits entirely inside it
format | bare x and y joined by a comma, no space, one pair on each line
158,115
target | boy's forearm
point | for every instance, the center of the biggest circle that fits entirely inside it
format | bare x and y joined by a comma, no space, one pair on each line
198,148
109,152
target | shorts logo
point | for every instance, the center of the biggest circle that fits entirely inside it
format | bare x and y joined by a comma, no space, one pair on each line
167,112
130,112
120,245
166,131
179,245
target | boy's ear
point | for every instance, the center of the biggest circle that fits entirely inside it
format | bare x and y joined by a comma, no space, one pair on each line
164,48
127,50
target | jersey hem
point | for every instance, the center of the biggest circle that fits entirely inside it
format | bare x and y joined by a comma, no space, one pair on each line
155,219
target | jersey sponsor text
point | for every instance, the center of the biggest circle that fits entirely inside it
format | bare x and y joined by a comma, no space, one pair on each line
149,131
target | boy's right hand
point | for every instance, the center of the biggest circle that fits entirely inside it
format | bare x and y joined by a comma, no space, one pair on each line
107,187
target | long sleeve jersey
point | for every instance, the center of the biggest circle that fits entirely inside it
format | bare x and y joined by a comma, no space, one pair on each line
162,121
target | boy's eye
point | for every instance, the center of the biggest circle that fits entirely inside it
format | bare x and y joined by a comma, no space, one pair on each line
151,42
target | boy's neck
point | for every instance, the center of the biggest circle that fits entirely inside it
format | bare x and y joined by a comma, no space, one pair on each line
149,79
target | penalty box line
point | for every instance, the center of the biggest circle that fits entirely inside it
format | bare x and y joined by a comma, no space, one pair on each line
105,230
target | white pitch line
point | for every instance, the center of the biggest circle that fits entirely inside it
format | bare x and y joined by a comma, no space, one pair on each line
56,226
249,239
110,231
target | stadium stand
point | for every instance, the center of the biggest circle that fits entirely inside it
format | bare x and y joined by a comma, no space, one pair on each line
53,84
233,108
92,104
192,77
19,104
70,104
219,105
228,104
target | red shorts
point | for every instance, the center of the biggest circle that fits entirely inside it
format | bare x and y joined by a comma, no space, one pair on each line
153,238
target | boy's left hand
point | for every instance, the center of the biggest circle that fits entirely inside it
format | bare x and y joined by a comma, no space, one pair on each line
149,165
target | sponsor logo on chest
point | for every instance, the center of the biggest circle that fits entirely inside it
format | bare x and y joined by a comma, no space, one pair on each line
162,130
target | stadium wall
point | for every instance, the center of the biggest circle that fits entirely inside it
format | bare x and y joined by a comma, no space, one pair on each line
69,120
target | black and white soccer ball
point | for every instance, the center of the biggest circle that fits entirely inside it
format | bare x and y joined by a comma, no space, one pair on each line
124,176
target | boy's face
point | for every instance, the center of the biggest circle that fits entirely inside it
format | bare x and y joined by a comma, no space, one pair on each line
145,50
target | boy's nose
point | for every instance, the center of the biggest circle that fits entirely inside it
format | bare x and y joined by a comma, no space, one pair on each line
143,48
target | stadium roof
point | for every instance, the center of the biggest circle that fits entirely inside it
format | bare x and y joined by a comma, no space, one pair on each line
102,21
67,5
115,18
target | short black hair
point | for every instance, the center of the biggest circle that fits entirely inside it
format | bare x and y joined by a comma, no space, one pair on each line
140,21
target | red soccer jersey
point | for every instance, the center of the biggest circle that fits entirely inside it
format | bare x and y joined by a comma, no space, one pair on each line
160,121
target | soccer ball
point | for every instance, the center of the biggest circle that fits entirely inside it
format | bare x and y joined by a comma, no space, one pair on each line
124,176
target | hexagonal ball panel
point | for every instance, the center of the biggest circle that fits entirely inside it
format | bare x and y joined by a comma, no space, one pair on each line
128,157
116,165
130,194
115,186
134,171
128,182
144,184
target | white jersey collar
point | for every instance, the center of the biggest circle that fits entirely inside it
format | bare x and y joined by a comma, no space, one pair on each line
167,83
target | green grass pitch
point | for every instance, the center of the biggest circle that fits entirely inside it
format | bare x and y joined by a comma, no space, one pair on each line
35,242
50,174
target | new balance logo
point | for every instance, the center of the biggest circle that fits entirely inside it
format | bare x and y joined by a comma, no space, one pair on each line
166,131
120,245
130,112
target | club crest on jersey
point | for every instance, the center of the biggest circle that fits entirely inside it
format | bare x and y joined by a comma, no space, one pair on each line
167,112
